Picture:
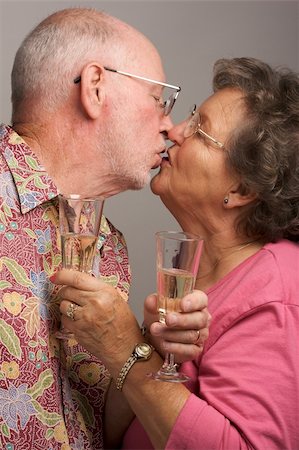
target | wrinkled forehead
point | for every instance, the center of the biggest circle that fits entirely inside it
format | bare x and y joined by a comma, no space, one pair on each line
227,104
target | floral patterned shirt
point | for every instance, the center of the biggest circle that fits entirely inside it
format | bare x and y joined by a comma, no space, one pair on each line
51,391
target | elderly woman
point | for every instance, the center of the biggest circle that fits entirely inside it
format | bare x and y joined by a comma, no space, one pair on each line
232,177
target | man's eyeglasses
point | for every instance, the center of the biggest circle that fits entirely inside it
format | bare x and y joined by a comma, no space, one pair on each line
167,105
193,126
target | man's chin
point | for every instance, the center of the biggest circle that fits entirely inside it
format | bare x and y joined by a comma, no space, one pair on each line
140,183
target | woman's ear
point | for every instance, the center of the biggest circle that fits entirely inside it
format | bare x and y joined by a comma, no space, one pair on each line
237,197
92,92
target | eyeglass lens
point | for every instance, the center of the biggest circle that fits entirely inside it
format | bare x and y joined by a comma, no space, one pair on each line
192,124
169,103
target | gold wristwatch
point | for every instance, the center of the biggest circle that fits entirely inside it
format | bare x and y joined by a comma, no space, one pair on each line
141,352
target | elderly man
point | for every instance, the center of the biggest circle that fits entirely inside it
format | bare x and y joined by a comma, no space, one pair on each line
88,118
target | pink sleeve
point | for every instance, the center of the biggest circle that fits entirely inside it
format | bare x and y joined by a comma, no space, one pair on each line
248,386
200,426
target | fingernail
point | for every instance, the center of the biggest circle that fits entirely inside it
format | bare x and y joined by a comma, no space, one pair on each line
187,306
165,346
52,278
172,319
156,328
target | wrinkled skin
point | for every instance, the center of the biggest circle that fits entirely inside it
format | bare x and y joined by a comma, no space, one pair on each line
105,325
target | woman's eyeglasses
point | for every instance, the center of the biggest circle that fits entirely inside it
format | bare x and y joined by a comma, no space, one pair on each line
193,126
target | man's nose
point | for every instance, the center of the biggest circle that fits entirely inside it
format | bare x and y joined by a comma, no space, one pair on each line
167,123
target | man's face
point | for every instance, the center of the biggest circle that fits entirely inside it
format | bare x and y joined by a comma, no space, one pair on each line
135,138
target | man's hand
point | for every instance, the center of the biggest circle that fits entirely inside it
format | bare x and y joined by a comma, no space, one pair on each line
105,325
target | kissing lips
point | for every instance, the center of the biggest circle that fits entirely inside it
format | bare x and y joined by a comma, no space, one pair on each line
163,155
157,164
166,160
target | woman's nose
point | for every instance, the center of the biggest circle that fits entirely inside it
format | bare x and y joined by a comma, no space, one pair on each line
176,133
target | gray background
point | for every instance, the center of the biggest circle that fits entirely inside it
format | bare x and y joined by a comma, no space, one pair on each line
190,36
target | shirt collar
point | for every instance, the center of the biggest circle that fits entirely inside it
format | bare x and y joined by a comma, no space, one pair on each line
33,184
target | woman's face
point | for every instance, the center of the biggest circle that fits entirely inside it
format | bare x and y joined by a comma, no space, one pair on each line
196,173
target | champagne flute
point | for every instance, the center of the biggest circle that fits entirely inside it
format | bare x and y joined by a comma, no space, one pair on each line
79,225
178,255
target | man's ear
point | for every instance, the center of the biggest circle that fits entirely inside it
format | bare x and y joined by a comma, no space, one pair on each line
238,196
92,92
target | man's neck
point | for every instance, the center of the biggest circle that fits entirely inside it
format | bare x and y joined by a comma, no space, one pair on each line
66,162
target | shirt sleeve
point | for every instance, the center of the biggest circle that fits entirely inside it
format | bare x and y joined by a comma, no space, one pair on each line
248,386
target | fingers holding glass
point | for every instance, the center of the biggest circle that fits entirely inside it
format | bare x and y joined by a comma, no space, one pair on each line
185,344
178,255
79,225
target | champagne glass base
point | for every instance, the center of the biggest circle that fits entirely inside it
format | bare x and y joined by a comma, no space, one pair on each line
169,376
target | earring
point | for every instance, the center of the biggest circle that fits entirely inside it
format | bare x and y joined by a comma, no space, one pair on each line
225,200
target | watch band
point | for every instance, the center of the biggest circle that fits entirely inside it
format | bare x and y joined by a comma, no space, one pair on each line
143,329
133,358
124,372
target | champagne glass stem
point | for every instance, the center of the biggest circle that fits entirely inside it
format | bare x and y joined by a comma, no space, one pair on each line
169,365
171,359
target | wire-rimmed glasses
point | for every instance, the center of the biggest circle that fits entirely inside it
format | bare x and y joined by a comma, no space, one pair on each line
167,105
193,126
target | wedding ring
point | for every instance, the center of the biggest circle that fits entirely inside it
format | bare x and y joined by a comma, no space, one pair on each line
71,311
198,339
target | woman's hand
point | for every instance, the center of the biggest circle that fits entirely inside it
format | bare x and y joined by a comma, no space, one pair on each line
185,332
104,324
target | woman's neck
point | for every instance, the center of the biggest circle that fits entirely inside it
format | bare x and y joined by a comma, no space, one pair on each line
218,262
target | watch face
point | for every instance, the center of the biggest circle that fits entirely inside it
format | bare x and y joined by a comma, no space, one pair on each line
143,350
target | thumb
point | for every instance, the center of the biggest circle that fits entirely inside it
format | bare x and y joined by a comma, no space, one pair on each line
150,309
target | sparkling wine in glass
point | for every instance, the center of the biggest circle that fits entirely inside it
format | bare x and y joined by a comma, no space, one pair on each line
79,225
178,255
78,251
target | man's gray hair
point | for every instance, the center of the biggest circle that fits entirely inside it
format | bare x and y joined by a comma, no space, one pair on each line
53,54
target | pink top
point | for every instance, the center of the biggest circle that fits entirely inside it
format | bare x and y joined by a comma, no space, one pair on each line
246,385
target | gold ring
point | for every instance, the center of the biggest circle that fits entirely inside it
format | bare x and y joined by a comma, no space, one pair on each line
71,311
198,339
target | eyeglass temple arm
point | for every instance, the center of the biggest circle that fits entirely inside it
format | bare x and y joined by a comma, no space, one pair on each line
178,88
172,86
199,130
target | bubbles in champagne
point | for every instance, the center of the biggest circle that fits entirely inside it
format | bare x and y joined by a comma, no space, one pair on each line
173,284
78,251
